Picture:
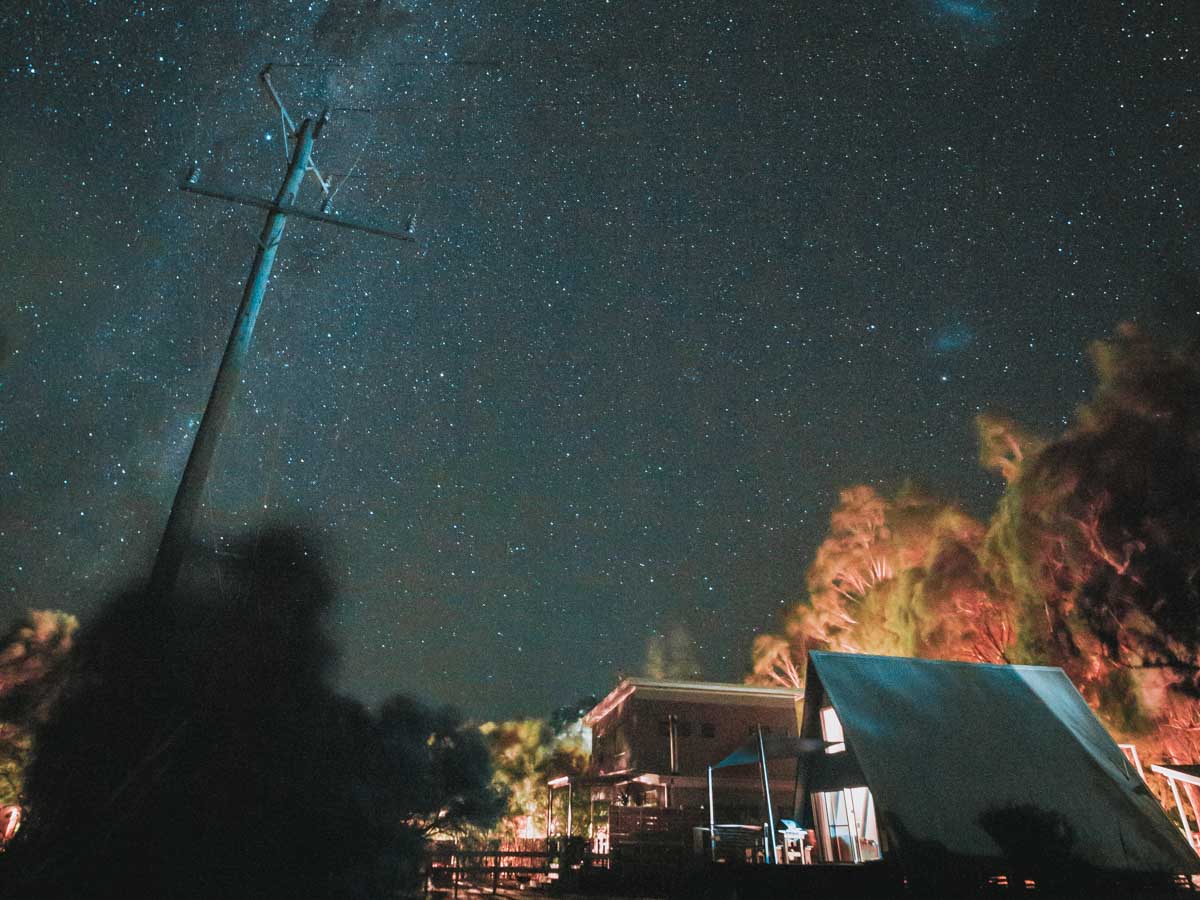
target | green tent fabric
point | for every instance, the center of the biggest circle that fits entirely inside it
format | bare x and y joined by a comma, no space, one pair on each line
774,748
963,757
822,772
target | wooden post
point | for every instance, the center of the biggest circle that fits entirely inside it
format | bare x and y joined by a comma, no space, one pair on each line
570,797
178,532
673,744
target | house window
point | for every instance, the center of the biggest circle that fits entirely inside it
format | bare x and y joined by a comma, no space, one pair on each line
708,730
664,727
620,743
673,728
684,729
831,730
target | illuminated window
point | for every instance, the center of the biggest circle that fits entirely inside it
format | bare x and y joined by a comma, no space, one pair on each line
846,828
831,730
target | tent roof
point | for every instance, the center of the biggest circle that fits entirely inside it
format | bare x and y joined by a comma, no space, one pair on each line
967,757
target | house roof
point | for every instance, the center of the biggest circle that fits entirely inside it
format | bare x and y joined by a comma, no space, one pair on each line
973,760
694,691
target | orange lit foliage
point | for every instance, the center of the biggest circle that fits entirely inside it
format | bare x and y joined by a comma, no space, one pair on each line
1091,560
898,576
34,656
1098,541
526,753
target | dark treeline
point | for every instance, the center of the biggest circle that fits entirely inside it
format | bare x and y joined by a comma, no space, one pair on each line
197,750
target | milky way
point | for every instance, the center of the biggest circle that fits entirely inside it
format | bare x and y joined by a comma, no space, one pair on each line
684,271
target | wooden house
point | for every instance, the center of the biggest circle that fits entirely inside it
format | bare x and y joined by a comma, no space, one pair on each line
652,744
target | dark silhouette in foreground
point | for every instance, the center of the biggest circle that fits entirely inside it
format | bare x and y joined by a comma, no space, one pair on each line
198,751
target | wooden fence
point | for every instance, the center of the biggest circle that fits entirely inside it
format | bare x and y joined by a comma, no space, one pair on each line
452,867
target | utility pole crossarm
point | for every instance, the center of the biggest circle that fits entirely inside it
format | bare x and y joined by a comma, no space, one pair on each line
292,210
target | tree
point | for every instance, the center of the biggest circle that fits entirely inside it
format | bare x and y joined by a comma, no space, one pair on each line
900,575
198,750
775,662
526,753
34,660
440,770
1090,561
1098,541
1003,444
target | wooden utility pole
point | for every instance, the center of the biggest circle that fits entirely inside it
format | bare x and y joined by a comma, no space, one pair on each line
177,535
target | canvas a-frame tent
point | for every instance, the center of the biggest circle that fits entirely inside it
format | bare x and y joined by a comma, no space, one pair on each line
983,763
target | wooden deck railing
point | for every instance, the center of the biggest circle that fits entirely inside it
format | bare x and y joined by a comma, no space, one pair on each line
451,867
629,823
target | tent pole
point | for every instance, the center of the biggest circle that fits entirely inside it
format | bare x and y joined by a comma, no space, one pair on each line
712,820
1189,791
852,819
769,834
1187,828
796,790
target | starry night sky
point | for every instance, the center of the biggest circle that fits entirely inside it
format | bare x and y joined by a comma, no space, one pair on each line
685,269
